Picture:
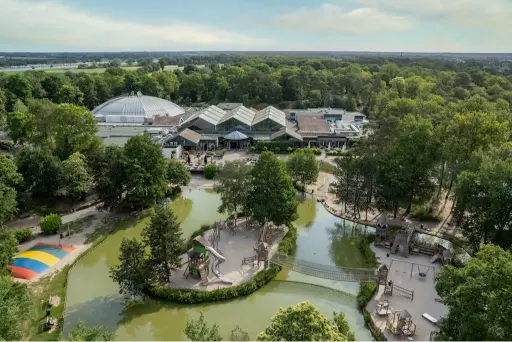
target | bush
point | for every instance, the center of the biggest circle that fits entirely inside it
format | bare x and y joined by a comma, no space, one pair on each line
366,293
173,191
23,234
210,171
316,151
289,149
277,150
366,251
252,149
424,213
50,224
190,296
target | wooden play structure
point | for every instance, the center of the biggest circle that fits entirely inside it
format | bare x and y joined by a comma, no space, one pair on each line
198,260
390,288
400,323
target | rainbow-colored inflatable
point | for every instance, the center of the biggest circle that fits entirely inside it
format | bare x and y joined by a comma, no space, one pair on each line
34,261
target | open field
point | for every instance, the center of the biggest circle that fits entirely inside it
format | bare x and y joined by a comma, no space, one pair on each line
92,71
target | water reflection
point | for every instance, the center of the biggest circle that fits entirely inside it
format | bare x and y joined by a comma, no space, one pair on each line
94,298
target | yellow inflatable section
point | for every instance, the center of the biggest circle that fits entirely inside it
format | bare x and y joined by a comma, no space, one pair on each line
43,257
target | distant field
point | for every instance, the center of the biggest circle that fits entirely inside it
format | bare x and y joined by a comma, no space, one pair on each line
96,70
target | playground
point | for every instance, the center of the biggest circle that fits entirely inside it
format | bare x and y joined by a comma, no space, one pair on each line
406,305
225,255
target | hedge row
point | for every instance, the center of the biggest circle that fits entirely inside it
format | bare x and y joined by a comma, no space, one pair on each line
368,290
190,296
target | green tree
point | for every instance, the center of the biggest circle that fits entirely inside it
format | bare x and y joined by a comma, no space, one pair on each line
8,247
146,173
75,130
271,193
133,273
43,111
16,309
18,88
82,332
198,330
342,325
484,195
177,173
238,334
68,93
164,238
405,172
233,186
75,177
21,126
478,297
8,203
109,170
301,322
467,133
40,170
9,180
303,167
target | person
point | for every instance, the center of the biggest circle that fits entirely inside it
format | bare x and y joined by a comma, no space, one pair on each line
48,311
205,159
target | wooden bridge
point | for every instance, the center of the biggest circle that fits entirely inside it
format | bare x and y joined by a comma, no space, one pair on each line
324,271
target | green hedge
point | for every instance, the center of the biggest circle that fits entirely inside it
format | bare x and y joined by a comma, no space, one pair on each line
368,290
366,251
23,234
210,171
189,296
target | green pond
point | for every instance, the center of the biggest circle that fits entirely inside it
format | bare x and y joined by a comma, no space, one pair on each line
94,298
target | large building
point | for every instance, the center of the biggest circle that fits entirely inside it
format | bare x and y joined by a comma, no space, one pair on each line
135,109
227,124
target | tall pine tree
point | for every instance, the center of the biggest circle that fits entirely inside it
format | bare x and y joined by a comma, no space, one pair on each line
163,236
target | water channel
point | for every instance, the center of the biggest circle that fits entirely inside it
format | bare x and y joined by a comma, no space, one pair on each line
94,298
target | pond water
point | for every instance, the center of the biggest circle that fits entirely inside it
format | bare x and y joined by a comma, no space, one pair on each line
94,298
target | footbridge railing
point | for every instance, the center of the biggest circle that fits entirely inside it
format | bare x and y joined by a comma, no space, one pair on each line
324,271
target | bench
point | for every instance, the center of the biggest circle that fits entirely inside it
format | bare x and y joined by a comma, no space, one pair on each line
429,318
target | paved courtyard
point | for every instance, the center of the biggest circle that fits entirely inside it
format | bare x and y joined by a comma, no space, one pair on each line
424,293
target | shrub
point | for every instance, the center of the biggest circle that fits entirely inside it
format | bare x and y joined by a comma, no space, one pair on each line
289,149
23,234
366,293
252,149
424,213
210,171
50,224
366,251
316,151
277,150
173,191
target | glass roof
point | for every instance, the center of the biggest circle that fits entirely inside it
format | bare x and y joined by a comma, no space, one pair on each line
270,113
138,106
240,113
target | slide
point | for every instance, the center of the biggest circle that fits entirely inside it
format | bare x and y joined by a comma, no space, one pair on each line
215,266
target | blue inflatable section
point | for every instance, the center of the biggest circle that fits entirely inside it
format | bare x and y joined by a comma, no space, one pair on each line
57,252
30,264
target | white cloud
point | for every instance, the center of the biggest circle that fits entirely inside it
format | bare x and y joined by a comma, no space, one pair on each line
330,17
45,22
493,16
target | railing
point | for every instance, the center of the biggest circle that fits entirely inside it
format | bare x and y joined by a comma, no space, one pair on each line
325,271
403,292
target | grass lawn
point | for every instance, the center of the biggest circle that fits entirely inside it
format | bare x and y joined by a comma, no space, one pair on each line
327,167
41,291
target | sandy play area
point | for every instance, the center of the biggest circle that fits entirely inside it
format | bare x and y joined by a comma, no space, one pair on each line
234,248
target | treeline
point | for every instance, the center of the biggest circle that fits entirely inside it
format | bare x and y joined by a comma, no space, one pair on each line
371,86
413,164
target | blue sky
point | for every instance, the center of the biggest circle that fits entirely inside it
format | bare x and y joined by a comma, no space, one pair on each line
335,25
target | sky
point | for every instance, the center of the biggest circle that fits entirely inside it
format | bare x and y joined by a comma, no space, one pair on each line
256,25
